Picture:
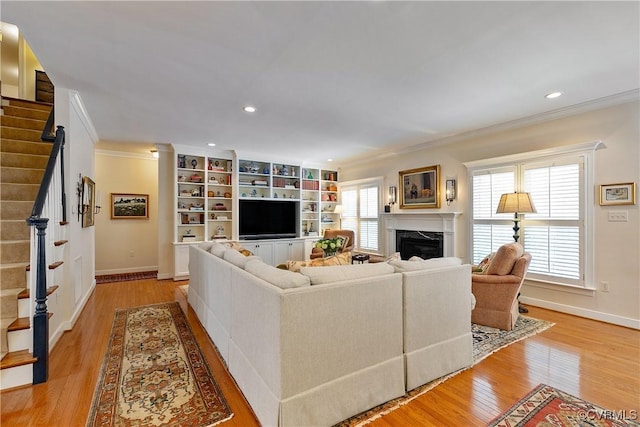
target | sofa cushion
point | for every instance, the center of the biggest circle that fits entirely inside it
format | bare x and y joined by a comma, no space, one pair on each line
281,278
217,249
424,264
236,258
504,259
339,273
343,258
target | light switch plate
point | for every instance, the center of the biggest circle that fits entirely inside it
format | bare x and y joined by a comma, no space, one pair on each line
618,216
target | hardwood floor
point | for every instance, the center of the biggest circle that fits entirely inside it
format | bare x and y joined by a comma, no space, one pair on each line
596,361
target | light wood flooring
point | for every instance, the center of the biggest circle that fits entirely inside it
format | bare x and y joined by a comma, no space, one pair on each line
596,361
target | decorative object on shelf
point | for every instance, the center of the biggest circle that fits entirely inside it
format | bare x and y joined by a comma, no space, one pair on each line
129,206
182,178
182,161
227,195
194,163
516,203
309,175
188,237
219,207
219,231
393,195
450,191
420,188
618,194
330,246
195,178
210,193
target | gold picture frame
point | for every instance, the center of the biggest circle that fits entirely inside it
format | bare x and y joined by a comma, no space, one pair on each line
420,188
618,194
88,201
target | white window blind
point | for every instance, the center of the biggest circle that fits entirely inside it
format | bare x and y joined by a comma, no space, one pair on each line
554,235
360,213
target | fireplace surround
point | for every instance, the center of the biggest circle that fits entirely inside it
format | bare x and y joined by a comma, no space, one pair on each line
425,222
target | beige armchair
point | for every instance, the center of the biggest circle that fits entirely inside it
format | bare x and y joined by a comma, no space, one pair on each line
329,234
496,290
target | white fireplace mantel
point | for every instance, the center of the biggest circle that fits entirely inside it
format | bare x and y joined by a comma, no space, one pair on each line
443,222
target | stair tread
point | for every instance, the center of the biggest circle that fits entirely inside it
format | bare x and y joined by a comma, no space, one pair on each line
25,292
22,323
60,242
55,265
14,264
17,358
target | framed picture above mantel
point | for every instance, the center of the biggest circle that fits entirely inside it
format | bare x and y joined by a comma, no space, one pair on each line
420,188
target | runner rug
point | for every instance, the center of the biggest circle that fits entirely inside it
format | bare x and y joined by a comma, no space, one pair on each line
154,374
548,406
486,341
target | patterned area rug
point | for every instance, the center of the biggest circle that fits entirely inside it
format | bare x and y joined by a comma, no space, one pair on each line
547,406
154,374
486,341
109,278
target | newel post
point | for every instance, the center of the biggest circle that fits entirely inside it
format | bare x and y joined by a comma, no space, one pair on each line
41,317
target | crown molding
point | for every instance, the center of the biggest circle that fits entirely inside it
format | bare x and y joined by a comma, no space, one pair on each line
572,110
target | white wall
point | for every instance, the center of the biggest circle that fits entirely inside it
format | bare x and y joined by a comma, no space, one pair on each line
617,244
126,245
79,255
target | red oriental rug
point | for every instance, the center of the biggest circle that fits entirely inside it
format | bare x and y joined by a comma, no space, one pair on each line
154,374
548,406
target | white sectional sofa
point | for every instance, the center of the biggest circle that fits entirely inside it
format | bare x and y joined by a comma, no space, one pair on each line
316,347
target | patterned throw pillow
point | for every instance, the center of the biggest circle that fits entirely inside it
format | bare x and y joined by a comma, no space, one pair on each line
342,258
484,264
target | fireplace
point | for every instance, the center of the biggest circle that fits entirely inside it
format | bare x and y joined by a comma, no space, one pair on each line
442,223
424,244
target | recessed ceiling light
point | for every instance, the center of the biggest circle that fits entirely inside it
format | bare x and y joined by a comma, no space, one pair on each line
249,109
211,144
553,95
329,160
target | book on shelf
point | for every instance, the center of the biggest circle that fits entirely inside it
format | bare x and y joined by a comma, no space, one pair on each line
259,182
188,238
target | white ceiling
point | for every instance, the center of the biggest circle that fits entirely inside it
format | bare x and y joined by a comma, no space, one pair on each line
342,80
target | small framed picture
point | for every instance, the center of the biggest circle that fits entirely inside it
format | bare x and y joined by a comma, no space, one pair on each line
618,194
129,206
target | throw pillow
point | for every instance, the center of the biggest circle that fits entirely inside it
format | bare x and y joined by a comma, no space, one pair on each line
343,258
502,262
481,268
340,273
281,278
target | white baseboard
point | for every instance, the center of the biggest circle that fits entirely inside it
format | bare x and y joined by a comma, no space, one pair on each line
165,276
68,325
583,312
127,270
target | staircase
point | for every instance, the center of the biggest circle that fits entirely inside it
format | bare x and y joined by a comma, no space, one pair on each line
23,159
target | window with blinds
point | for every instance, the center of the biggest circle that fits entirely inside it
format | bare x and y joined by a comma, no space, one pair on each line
554,235
360,203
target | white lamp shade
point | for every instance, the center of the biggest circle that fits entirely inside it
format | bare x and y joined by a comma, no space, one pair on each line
516,203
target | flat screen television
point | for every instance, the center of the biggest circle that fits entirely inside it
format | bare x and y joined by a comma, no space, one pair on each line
267,219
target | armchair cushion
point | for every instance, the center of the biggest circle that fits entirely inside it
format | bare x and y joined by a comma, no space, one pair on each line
504,259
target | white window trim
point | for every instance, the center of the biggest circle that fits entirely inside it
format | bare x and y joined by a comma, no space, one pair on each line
378,181
587,152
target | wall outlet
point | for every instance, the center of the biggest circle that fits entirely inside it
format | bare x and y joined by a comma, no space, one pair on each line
604,286
618,216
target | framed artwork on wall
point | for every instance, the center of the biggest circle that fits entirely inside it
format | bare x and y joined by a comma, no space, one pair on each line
88,201
618,194
420,188
129,206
